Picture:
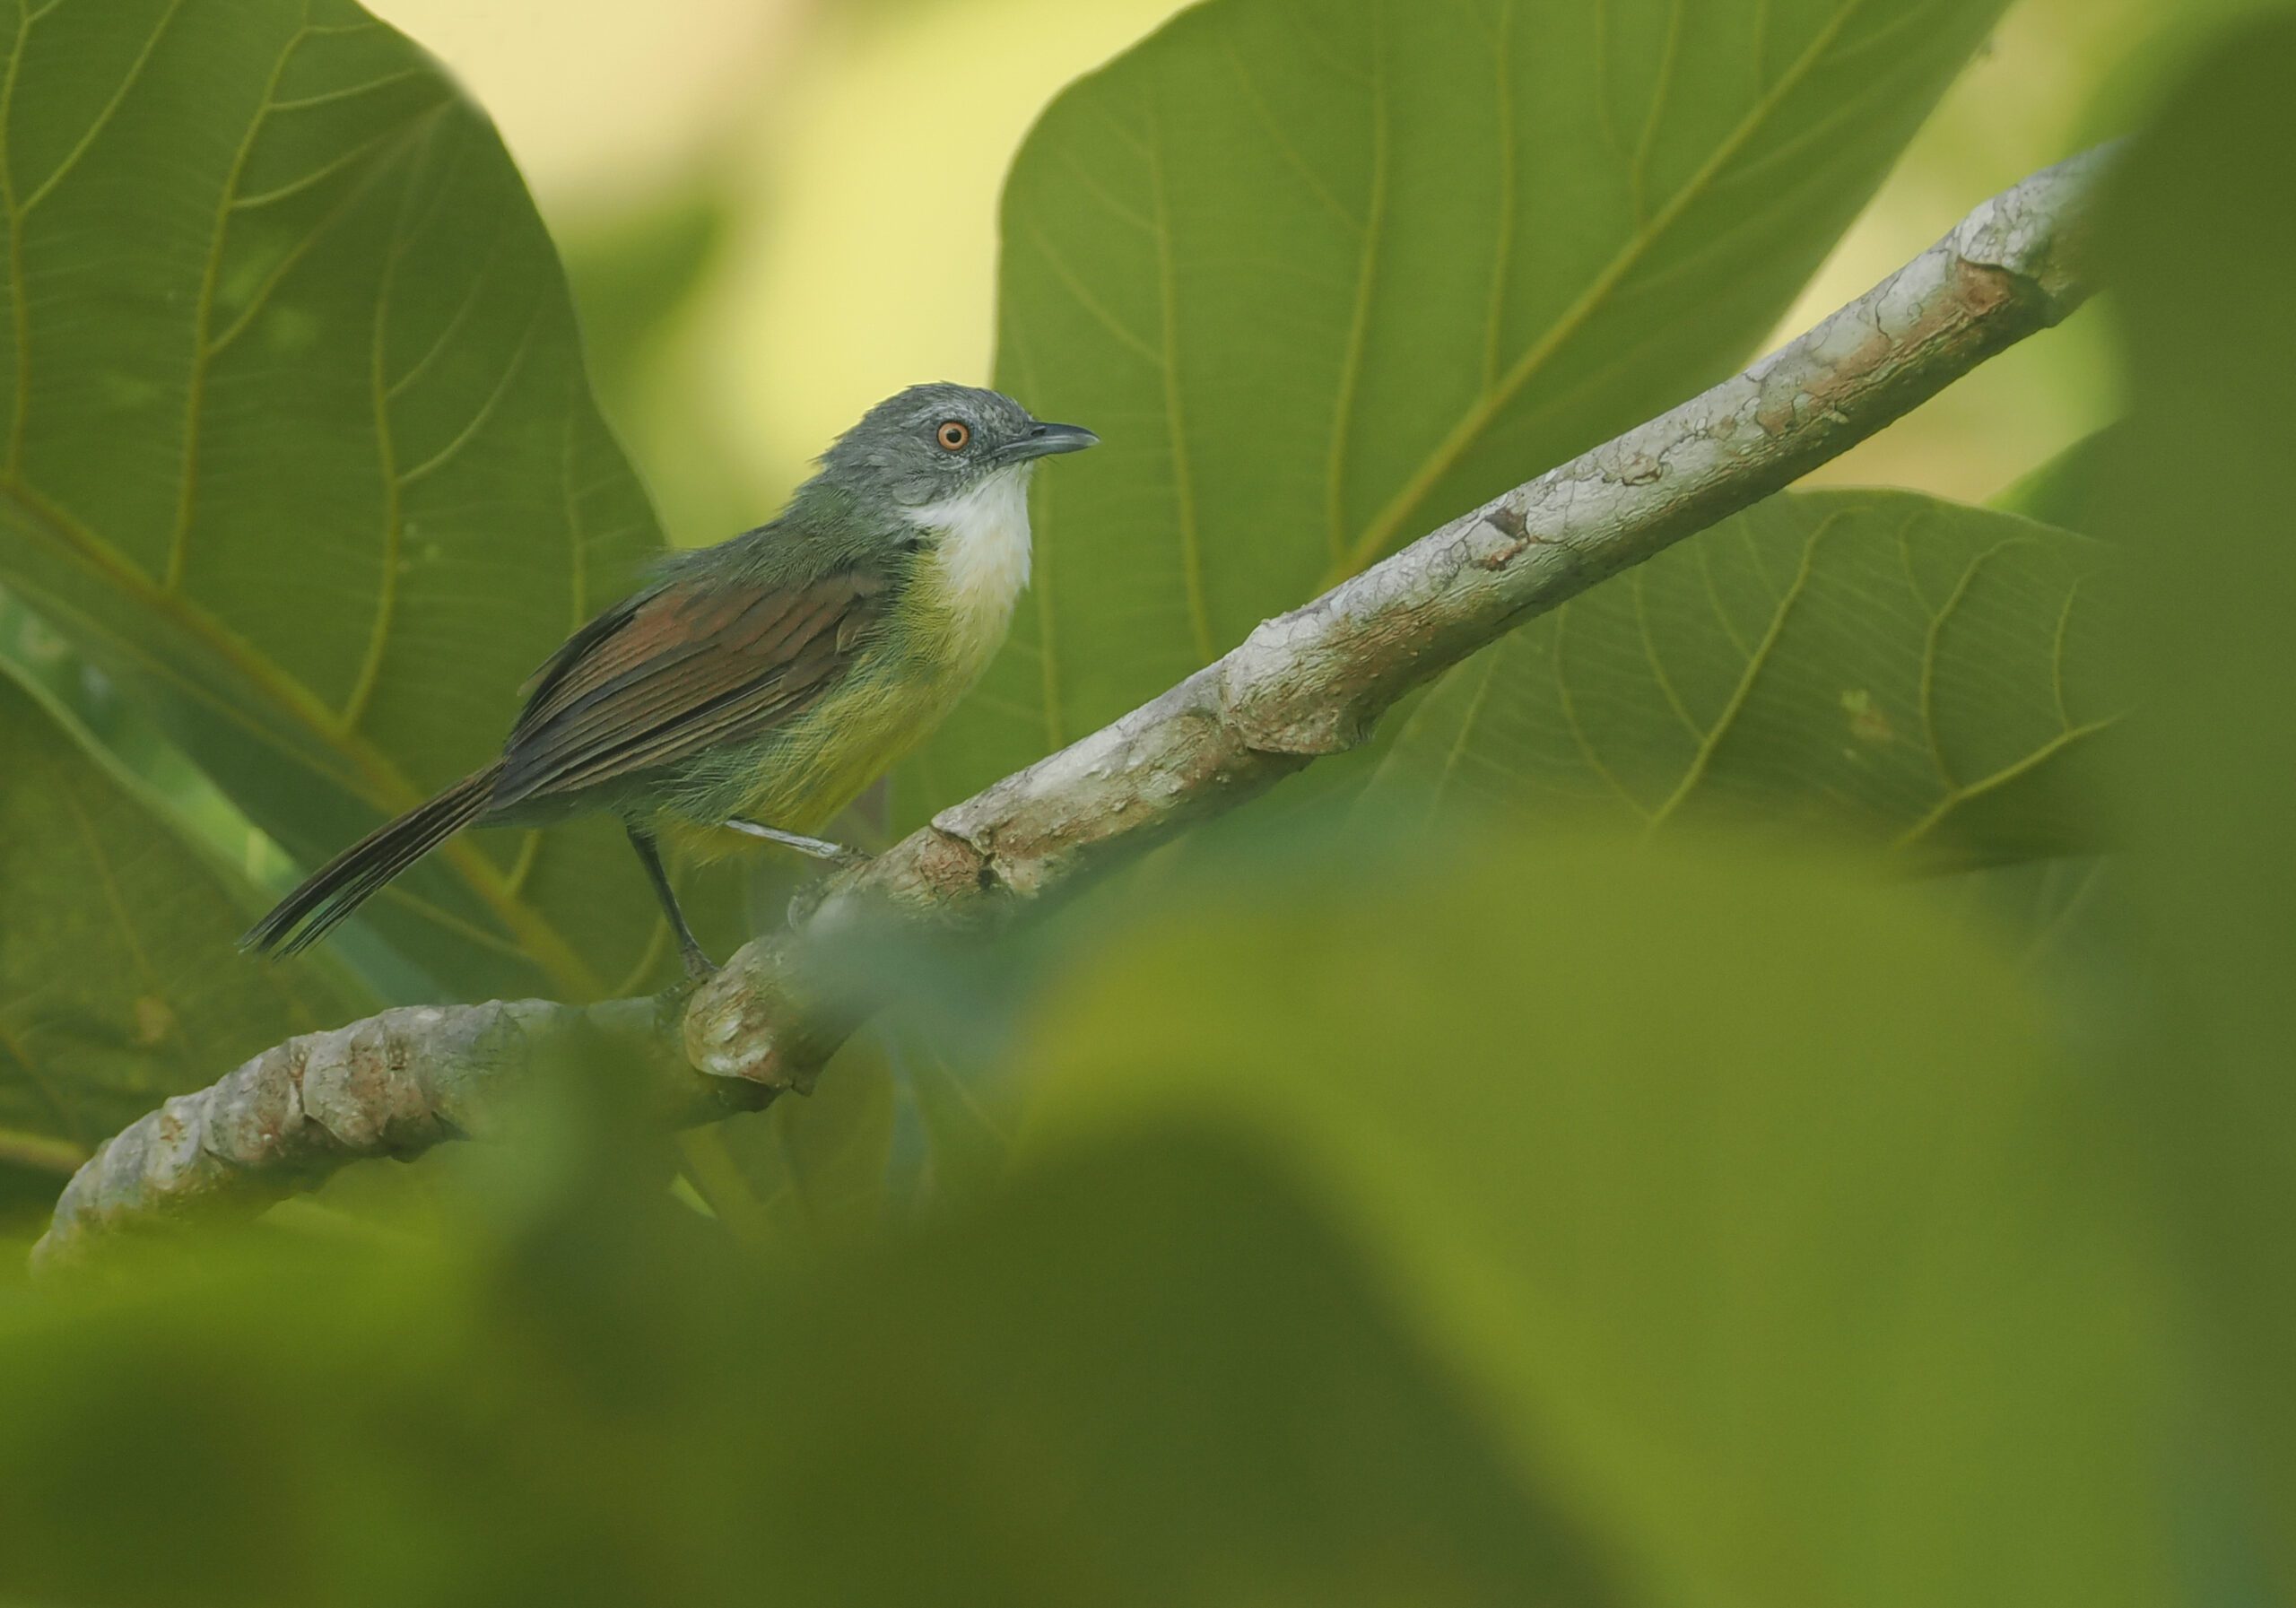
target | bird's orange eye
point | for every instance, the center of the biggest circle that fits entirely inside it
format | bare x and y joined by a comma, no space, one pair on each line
954,434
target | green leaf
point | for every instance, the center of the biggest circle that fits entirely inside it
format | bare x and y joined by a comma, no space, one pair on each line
2198,238
118,984
295,441
1326,272
1871,661
1751,1201
1156,1375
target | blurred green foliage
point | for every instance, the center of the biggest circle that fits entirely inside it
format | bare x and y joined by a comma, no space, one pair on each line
1754,1195
1150,1375
1375,1242
1448,1192
2201,239
634,271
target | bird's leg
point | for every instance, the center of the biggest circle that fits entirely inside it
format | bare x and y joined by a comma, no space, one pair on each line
820,849
698,964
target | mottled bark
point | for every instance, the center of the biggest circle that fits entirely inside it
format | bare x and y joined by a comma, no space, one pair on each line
1310,683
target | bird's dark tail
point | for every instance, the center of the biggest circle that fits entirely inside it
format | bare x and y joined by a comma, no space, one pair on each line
355,875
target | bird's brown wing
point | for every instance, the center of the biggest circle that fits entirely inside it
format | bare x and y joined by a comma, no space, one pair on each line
658,679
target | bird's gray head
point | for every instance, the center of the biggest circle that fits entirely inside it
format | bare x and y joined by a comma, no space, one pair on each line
934,442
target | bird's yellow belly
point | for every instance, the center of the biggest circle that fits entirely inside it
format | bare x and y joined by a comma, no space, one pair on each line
799,779
814,770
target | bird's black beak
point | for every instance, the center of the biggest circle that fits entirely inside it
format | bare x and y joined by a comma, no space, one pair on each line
1043,440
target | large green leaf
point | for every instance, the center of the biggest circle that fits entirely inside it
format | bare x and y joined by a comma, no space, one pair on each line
1871,661
295,441
1756,1203
1325,272
116,980
1153,1377
2199,239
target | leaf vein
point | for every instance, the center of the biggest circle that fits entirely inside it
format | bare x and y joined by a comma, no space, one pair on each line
1937,622
349,91
1502,247
1291,153
103,117
1183,484
203,318
371,668
1081,294
1959,796
1650,652
478,420
1639,168
1740,694
1462,435
1569,706
1359,321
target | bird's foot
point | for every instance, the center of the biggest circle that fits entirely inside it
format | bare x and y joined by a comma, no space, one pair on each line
698,966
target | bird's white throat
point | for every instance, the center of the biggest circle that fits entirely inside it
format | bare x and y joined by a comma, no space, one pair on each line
982,545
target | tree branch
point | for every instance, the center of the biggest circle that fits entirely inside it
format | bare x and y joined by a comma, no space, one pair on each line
1310,683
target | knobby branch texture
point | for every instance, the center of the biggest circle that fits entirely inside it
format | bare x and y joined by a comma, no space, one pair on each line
1308,683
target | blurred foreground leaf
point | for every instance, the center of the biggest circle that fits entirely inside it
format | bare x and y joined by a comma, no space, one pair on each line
2201,233
1755,1201
1323,275
1875,662
1152,1376
119,983
299,447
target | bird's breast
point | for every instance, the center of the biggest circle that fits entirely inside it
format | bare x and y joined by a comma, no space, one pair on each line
974,571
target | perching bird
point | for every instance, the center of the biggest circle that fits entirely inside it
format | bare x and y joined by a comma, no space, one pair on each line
762,683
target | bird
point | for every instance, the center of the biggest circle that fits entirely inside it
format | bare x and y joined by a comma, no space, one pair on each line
758,686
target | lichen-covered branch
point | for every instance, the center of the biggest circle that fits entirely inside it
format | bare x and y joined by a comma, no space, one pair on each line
1308,683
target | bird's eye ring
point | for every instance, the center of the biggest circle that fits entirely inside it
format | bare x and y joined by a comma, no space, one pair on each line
952,435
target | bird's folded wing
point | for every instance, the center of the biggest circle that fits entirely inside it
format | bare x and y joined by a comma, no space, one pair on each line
672,672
